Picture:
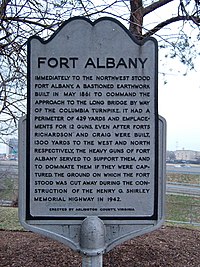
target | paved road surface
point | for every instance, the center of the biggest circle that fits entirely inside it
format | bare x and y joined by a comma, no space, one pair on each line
186,169
11,167
179,188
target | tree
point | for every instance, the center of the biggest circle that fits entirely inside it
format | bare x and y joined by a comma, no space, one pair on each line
139,11
21,19
170,156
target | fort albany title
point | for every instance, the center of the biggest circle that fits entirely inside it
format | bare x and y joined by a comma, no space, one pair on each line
108,62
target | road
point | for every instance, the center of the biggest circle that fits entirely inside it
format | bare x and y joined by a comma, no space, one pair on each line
181,188
11,167
186,189
186,169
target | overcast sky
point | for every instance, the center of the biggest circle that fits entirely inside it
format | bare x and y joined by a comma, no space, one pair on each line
179,103
179,98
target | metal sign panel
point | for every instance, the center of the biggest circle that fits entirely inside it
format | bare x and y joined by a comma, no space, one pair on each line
94,143
92,124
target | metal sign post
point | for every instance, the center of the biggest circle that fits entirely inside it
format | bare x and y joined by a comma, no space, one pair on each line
92,145
92,241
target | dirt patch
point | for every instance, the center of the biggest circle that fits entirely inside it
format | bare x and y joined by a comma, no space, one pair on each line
168,246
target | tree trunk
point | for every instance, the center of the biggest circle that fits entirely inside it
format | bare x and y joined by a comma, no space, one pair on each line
136,18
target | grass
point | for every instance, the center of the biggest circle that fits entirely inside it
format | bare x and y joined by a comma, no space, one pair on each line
183,178
9,219
178,207
182,208
9,189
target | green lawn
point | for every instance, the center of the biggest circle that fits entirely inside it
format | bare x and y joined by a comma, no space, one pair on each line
183,178
178,208
183,208
9,219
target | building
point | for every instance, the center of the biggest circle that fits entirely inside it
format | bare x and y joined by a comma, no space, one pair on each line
187,155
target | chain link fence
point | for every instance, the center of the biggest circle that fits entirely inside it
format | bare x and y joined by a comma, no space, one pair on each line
183,209
8,183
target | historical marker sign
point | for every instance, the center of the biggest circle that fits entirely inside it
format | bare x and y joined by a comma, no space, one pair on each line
92,144
92,124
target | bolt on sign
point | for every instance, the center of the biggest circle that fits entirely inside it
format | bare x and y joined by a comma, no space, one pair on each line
93,128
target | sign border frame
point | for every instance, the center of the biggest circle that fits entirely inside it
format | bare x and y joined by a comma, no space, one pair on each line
156,145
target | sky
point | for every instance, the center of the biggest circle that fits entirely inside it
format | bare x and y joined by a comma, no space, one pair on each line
179,98
179,104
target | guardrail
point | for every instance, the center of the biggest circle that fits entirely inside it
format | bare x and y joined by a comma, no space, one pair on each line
183,188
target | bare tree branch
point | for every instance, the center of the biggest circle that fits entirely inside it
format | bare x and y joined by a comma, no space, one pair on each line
169,21
155,6
20,19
